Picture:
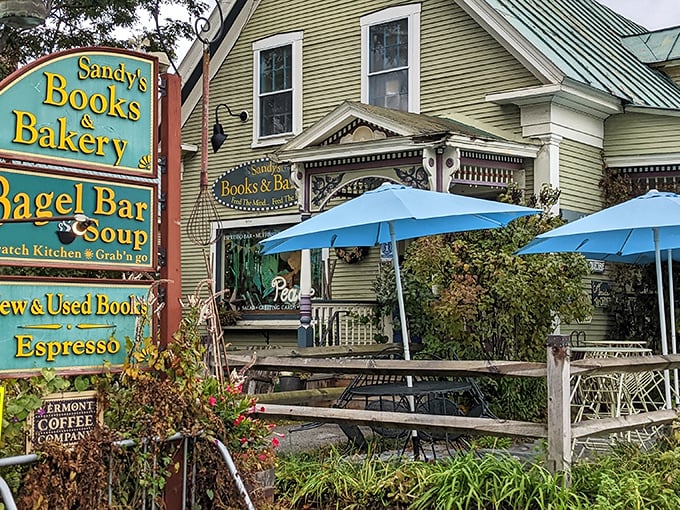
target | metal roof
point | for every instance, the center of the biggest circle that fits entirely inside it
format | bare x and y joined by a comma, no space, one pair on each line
584,40
655,47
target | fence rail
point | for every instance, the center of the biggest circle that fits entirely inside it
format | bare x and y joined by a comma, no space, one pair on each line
559,430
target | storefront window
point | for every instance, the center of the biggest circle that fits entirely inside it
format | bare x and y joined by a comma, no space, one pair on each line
263,285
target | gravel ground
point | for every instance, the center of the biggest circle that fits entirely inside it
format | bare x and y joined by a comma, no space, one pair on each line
303,437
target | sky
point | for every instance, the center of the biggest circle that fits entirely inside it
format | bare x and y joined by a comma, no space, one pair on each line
651,14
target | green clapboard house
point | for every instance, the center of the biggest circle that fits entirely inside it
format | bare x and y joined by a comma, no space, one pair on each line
464,96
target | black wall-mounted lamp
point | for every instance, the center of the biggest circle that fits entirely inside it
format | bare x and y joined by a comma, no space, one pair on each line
68,229
219,136
22,13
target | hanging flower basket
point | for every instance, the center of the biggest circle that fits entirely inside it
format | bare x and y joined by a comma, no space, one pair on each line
353,254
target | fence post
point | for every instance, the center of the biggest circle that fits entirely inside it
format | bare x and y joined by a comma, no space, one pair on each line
559,412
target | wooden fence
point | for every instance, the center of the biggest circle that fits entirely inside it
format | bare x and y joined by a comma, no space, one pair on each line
559,431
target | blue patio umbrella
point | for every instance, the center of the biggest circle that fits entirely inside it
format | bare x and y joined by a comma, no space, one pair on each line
636,231
391,213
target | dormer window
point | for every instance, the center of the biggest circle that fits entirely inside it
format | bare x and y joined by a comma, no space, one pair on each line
390,41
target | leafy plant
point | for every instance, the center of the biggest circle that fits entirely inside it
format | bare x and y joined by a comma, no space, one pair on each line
95,23
625,478
467,295
161,390
633,287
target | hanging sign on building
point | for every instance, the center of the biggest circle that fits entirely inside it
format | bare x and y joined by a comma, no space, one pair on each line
83,108
64,325
260,185
122,235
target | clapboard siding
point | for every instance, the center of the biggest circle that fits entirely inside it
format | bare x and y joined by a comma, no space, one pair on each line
460,65
355,281
580,174
633,134
597,327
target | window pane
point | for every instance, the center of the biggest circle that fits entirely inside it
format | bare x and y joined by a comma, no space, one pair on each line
276,69
254,278
389,46
389,90
276,114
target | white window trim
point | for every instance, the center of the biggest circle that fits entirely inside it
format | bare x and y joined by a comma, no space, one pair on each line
294,39
412,12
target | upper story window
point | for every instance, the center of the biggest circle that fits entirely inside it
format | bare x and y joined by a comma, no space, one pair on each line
277,96
390,58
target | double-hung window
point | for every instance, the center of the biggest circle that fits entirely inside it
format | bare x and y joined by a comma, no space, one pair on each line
390,60
277,99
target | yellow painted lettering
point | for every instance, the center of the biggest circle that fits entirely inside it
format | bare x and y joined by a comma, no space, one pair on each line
79,198
23,205
140,207
40,349
25,131
4,201
84,66
63,203
77,99
19,307
53,350
105,201
86,143
98,103
78,347
119,146
125,209
55,93
134,112
101,141
65,140
24,346
43,201
47,139
115,106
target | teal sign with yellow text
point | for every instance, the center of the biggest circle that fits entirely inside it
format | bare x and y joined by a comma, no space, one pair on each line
64,325
121,236
93,107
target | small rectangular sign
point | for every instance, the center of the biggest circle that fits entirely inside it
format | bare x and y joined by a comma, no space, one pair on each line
122,236
65,418
64,325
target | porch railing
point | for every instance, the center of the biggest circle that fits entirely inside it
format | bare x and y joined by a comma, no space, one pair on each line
339,322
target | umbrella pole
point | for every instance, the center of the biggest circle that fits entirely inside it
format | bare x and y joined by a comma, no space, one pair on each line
662,316
404,332
674,342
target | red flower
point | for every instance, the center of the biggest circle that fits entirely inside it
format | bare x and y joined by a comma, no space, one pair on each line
275,442
212,401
